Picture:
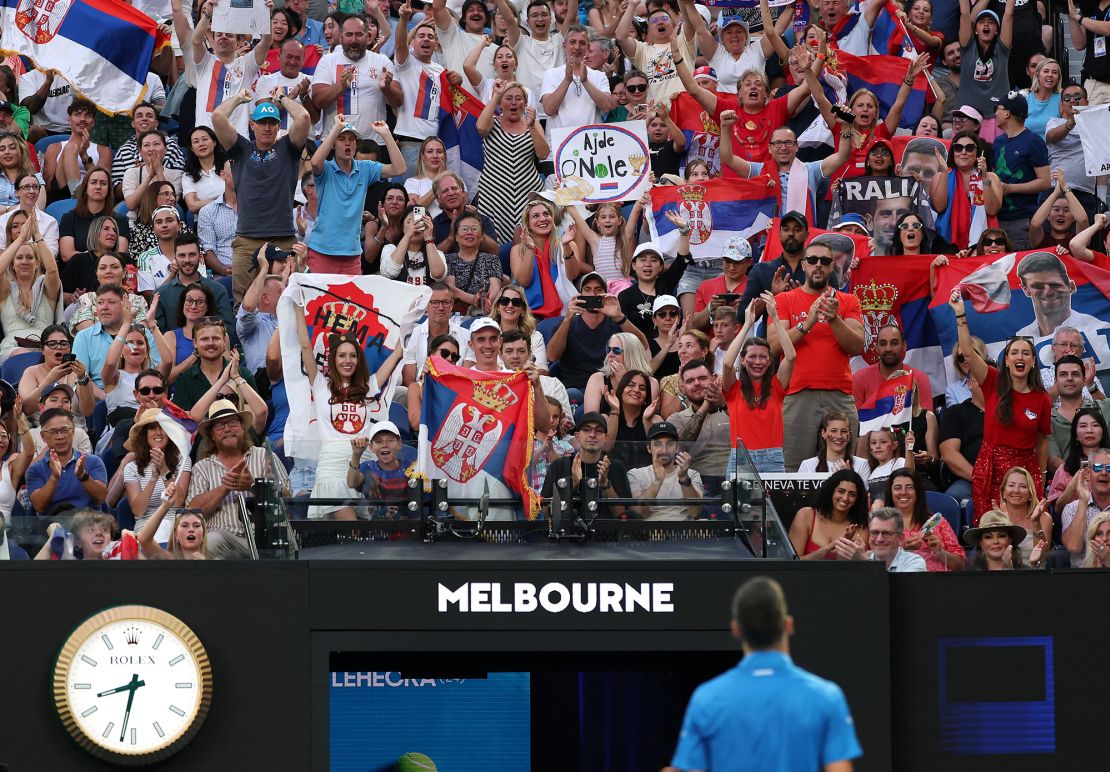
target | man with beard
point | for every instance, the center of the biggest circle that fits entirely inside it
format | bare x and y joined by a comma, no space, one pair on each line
1094,497
668,477
1045,281
926,156
355,82
785,272
703,427
947,75
290,79
826,329
184,274
850,31
890,346
221,73
456,42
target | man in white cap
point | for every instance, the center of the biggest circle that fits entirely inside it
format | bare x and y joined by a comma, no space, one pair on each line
335,244
221,479
385,475
736,52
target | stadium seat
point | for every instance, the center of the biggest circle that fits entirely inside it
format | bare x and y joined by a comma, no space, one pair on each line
59,208
226,283
547,328
13,368
947,506
969,511
45,142
121,209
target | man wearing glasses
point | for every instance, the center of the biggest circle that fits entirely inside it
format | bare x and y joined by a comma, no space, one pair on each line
826,328
1093,497
1045,281
884,528
439,322
64,479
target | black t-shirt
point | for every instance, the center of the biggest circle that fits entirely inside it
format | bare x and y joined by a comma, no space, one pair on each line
1097,67
664,160
670,363
1026,40
585,351
561,467
80,273
963,422
78,227
636,304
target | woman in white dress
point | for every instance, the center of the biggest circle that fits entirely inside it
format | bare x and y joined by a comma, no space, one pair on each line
30,289
343,396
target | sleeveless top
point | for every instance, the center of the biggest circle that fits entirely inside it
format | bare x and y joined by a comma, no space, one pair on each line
184,346
811,546
94,154
7,492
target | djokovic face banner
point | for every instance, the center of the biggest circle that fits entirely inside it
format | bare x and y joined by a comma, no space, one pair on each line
881,201
378,311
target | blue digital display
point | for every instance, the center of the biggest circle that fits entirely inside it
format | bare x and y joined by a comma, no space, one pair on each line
997,695
383,721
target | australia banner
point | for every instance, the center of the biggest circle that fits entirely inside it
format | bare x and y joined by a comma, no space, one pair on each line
476,431
716,211
1029,294
379,312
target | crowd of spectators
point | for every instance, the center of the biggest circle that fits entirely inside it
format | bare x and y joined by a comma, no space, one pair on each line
143,258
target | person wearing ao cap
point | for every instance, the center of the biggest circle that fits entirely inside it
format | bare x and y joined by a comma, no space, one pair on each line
335,244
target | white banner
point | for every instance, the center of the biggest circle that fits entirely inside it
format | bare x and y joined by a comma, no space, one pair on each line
380,312
1093,122
601,162
242,17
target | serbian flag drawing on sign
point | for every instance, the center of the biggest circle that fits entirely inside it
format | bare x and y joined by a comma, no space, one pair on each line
458,128
892,404
1029,293
884,75
896,291
476,431
716,211
102,47
378,311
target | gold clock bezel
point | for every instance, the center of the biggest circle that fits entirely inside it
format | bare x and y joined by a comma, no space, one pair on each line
85,631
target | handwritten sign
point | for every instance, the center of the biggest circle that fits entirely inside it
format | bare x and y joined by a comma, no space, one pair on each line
241,17
598,163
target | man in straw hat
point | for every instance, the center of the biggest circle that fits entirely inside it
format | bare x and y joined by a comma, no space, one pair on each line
229,472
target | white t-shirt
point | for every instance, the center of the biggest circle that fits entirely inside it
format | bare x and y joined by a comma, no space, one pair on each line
153,268
362,102
210,186
217,81
418,117
643,477
456,44
265,85
341,420
729,69
421,187
416,347
860,465
53,116
48,227
131,474
535,58
578,107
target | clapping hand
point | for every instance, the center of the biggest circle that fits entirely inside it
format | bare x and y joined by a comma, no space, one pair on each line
238,478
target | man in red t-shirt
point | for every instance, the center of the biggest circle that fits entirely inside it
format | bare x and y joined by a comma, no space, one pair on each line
826,328
736,259
890,345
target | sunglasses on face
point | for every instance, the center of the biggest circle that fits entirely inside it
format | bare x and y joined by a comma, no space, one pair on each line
1072,98
1100,468
908,225
964,148
146,391
515,302
814,260
637,88
994,242
448,354
667,314
618,350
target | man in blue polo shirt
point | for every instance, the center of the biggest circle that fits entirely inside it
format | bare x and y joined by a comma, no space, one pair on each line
1021,162
766,714
64,479
92,343
335,244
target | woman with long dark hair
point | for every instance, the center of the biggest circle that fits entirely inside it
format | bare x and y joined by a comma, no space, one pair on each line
997,542
158,462
905,491
910,236
631,414
834,448
202,183
95,198
623,353
755,391
387,226
197,302
968,197
1088,434
1017,414
839,510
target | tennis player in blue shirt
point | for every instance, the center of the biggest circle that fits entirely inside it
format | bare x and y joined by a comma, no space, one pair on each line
766,714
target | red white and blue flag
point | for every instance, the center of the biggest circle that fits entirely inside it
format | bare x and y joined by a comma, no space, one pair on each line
102,47
891,405
889,36
458,128
476,431
884,75
716,211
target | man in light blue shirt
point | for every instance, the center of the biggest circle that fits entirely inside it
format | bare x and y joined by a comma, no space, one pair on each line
257,320
335,244
92,343
766,714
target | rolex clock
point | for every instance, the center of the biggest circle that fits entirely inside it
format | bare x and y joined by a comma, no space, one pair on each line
132,684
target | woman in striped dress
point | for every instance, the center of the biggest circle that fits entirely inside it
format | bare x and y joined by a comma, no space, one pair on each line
513,142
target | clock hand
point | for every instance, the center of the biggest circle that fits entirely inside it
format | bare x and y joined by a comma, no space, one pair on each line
123,688
133,687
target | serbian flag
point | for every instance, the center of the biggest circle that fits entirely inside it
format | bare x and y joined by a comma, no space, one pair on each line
892,404
102,47
476,431
1029,293
884,75
458,128
896,291
716,210
889,36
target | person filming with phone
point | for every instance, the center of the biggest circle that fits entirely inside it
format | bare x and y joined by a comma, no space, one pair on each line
826,329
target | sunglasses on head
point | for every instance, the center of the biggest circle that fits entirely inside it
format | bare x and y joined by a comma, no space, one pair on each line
908,225
814,260
448,354
996,242
614,350
515,302
146,391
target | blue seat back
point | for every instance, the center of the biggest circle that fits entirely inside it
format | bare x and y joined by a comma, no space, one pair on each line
58,209
948,507
12,369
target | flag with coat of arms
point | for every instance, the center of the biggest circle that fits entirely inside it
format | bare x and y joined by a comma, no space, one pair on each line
891,405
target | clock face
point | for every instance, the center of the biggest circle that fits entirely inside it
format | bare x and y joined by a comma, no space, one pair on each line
132,684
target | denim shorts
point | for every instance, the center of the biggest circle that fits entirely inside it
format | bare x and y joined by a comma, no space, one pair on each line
696,273
764,460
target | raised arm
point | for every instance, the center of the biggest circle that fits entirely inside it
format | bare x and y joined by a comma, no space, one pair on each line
198,39
262,48
470,64
976,366
1080,243
152,550
773,30
401,46
308,357
227,134
1006,31
626,36
707,99
894,117
489,112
